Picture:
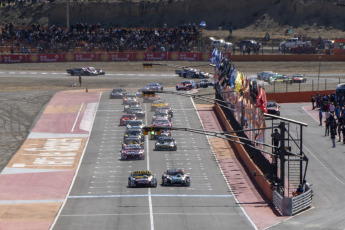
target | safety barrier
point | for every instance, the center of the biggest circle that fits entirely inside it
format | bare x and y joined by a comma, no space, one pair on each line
106,57
294,205
260,179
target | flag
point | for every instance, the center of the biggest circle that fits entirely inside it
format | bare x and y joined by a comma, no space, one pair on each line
232,76
261,101
238,82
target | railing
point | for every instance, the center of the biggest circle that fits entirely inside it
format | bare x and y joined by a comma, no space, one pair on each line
294,205
328,83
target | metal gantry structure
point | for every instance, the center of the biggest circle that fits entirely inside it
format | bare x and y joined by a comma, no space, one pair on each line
289,160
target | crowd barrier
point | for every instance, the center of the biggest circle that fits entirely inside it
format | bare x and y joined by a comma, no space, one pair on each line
293,97
106,57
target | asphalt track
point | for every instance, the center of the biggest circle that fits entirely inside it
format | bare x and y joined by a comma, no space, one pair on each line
35,183
100,198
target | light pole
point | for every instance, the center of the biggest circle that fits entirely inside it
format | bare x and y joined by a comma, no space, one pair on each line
67,13
318,76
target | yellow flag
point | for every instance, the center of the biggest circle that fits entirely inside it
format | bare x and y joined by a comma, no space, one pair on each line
238,81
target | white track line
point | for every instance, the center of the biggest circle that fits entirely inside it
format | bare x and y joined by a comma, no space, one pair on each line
148,168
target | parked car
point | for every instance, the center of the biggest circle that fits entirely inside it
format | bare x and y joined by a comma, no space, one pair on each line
215,43
273,108
303,49
248,43
292,42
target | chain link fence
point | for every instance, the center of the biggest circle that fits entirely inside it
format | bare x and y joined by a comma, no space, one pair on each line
310,85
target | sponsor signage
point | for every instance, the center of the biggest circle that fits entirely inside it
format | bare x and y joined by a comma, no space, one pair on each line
116,57
13,58
108,57
80,57
33,58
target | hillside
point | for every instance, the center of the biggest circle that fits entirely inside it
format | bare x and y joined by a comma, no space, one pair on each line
322,17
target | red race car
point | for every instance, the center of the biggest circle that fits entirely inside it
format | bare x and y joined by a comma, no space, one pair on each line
127,117
186,85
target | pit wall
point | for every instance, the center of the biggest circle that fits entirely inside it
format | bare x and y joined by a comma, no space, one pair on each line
154,56
293,97
242,153
287,57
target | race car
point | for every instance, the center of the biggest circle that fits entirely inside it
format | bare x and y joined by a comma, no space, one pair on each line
85,71
117,93
139,112
175,177
138,133
142,178
148,99
130,97
165,143
154,87
126,117
132,151
131,141
161,114
158,103
138,123
203,83
131,104
170,110
299,78
162,123
186,85
273,108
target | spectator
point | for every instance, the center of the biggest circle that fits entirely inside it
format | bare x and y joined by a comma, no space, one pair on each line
313,101
320,117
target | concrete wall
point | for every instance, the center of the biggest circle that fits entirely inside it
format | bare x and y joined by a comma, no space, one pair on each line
242,153
287,57
293,97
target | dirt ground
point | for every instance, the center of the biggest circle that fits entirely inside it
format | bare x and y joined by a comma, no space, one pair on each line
22,99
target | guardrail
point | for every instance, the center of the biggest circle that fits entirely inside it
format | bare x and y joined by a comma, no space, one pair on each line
294,205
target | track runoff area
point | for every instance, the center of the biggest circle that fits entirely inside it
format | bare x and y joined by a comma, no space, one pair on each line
101,199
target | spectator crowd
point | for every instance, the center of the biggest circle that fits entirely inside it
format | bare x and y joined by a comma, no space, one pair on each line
97,37
332,115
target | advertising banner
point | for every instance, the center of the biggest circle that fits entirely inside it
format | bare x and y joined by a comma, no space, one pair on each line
80,57
107,57
116,57
13,58
156,56
43,58
184,56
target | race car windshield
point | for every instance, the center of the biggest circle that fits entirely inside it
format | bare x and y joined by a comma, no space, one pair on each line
133,148
175,172
129,116
271,104
142,174
153,84
161,122
135,123
131,140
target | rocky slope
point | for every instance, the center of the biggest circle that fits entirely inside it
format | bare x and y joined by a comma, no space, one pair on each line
265,14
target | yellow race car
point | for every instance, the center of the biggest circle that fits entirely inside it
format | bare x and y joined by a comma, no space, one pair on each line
158,103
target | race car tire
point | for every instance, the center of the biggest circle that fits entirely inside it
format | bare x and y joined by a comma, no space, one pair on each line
72,73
